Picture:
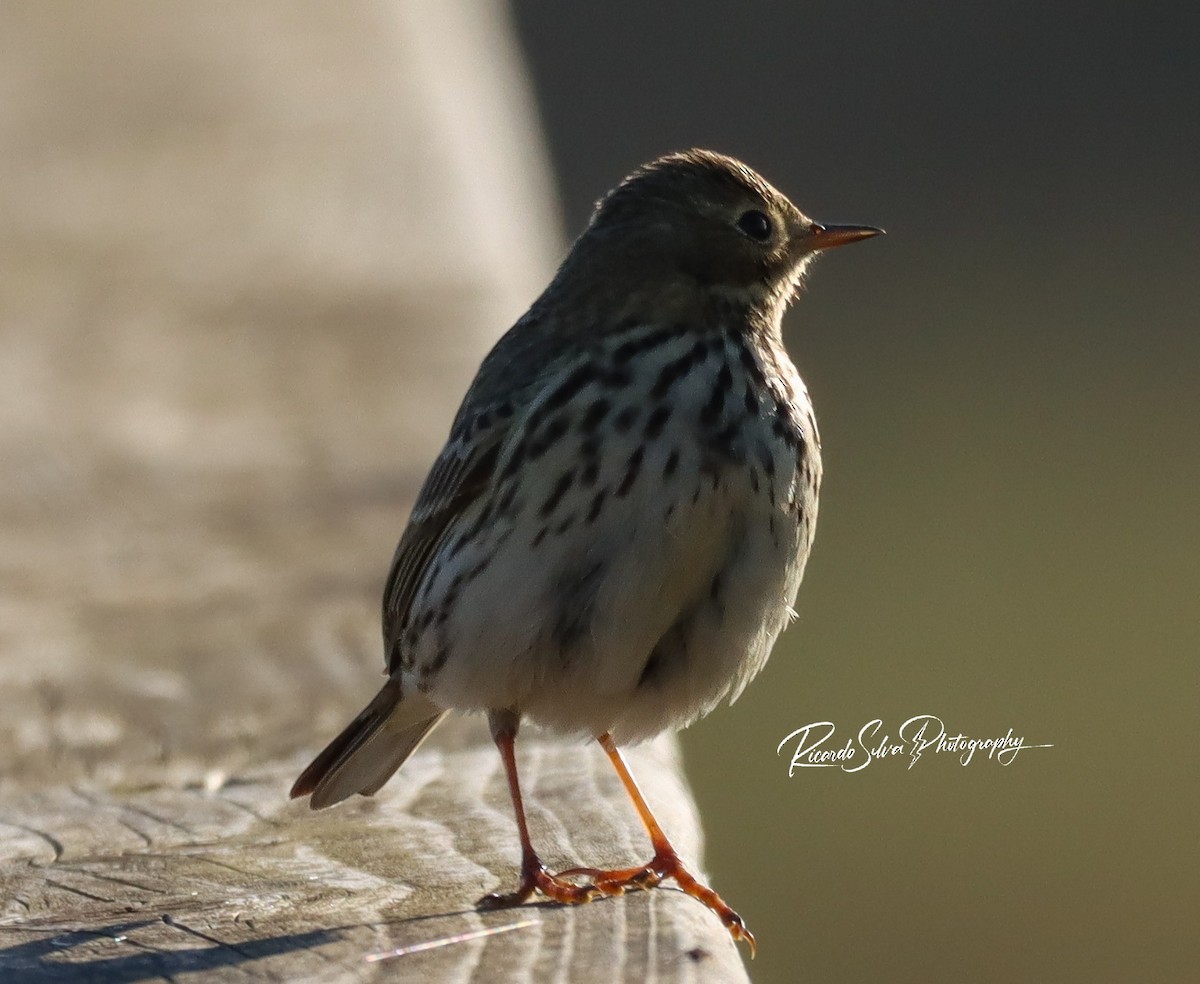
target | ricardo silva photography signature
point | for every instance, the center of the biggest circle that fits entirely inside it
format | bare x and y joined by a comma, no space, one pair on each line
814,746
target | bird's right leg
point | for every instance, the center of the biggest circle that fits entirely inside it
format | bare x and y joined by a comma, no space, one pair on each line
666,862
535,877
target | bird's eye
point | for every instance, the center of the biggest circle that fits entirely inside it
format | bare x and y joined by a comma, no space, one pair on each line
755,224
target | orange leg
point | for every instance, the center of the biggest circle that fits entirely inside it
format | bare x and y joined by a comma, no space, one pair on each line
665,863
534,875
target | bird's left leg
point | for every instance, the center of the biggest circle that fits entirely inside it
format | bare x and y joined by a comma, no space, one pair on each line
666,863
534,875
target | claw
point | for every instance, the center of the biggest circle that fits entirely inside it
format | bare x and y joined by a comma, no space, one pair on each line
737,929
664,864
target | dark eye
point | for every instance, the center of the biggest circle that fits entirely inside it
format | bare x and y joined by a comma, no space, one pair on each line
755,224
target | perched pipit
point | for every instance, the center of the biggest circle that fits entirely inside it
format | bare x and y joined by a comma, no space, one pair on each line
614,534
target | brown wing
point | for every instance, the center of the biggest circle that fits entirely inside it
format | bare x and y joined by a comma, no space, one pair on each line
507,382
459,475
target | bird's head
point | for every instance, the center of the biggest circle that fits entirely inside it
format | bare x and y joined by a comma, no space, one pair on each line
699,219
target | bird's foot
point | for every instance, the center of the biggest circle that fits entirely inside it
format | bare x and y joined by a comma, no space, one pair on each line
664,864
617,881
536,878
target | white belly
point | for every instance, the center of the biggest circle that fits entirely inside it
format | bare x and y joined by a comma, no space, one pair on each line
633,615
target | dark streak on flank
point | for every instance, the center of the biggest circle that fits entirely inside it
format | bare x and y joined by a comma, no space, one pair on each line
632,468
749,363
676,369
715,590
594,415
728,435
626,419
787,434
656,421
767,459
451,595
515,461
554,430
475,529
480,567
617,378
565,481
716,403
438,661
596,507
568,389
506,501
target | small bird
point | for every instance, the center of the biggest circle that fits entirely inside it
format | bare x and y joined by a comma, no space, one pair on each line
614,534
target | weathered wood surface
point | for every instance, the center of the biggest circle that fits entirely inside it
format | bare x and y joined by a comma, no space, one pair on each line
125,884
250,261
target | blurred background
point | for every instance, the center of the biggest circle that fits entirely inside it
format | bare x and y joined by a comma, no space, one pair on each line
1008,389
253,254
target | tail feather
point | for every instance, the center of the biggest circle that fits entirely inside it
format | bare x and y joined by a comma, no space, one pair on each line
370,749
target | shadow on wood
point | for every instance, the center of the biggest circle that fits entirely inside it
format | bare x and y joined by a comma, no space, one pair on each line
106,885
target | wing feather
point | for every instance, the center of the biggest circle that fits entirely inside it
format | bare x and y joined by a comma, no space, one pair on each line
461,476
507,383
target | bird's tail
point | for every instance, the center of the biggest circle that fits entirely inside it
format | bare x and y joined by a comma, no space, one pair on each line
371,748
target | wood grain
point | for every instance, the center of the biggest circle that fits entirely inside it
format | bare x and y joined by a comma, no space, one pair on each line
224,875
233,330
